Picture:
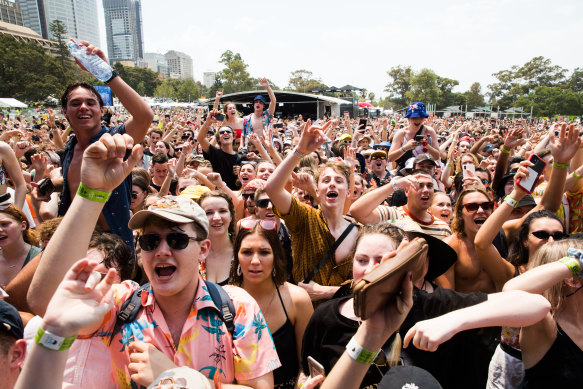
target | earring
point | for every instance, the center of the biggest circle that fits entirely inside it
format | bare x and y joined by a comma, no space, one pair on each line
273,272
239,272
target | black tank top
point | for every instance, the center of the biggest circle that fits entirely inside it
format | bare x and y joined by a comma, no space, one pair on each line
285,345
561,366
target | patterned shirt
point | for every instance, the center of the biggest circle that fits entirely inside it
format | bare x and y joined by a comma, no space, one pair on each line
437,227
311,239
205,343
248,125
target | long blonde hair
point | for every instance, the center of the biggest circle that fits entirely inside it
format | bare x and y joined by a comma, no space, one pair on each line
551,252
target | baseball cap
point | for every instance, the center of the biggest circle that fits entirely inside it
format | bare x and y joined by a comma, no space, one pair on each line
408,377
424,157
416,110
255,184
260,98
345,137
175,209
382,144
10,320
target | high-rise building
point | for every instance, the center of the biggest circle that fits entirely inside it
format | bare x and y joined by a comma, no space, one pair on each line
10,13
179,64
123,27
157,62
78,16
208,79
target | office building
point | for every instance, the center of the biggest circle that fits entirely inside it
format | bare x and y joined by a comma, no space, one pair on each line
157,62
208,79
78,16
123,27
179,64
10,13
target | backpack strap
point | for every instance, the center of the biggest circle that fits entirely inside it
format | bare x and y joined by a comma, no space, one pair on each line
222,300
131,307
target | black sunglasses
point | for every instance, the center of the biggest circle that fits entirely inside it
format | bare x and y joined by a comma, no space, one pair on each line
544,235
263,203
247,196
134,195
175,240
221,132
473,207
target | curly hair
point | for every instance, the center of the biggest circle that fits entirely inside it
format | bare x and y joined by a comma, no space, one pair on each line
457,224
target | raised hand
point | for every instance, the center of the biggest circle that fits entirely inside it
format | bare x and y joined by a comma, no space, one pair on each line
81,300
91,50
264,83
312,137
514,138
103,167
564,147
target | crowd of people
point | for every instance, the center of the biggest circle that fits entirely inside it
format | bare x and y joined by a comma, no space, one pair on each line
146,247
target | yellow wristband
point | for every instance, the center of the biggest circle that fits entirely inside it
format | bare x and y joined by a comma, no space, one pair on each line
93,194
559,165
502,149
572,264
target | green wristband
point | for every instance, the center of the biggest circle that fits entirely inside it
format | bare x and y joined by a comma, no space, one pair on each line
576,176
53,342
572,264
360,354
93,194
502,149
559,165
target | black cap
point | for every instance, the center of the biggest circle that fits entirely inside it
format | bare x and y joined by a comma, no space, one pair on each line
500,188
401,377
10,320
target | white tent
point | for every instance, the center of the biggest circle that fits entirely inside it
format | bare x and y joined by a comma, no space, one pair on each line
12,103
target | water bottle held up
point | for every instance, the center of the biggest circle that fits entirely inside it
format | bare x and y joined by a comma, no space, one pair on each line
93,63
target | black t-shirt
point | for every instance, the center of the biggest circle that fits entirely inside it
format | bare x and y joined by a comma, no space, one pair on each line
453,364
173,187
223,163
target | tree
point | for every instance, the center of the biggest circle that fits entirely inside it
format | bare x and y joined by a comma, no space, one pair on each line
550,101
143,80
446,96
576,80
189,90
424,87
400,84
303,81
474,97
58,32
234,77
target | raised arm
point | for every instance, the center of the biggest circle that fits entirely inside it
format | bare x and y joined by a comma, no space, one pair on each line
102,169
202,139
498,268
512,140
272,99
142,114
312,137
15,172
512,309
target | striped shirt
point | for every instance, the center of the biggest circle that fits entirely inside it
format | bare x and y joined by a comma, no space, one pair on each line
437,227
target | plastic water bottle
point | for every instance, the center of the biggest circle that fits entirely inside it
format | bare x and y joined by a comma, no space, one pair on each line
93,63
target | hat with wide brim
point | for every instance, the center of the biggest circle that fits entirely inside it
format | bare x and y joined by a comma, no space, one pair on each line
441,256
500,188
416,110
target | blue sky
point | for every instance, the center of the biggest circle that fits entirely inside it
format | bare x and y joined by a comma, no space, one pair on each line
356,42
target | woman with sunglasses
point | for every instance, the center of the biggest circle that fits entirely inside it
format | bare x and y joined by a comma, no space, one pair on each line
259,268
140,190
220,212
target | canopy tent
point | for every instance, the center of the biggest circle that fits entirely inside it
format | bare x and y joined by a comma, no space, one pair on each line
11,103
349,87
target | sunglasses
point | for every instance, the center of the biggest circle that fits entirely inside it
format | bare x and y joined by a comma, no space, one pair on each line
134,195
543,235
487,206
247,196
263,203
221,132
485,182
249,224
175,240
374,157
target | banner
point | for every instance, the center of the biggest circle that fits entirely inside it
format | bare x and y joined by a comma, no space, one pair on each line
105,93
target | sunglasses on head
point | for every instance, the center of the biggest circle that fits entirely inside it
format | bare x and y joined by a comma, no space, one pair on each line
544,235
249,224
263,203
247,196
175,240
473,207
